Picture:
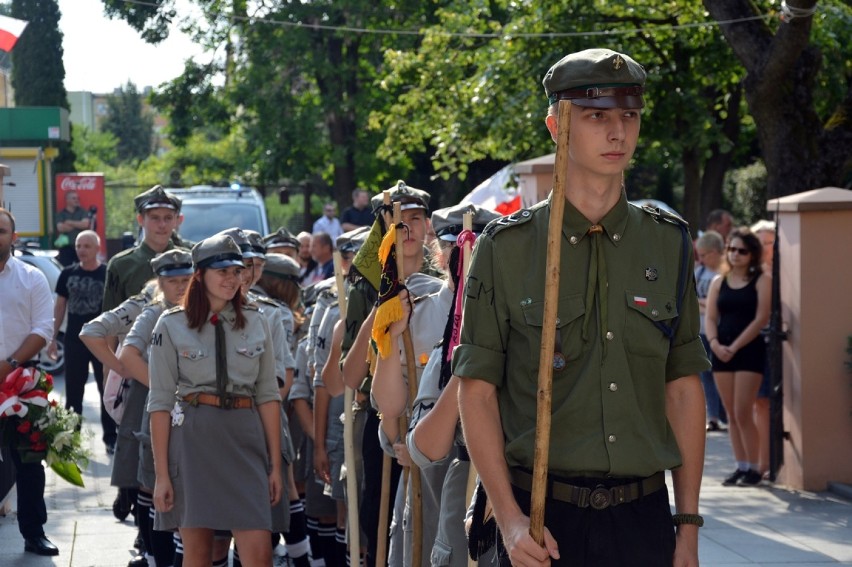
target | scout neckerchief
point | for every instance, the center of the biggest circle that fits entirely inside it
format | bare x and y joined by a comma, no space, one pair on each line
597,283
221,357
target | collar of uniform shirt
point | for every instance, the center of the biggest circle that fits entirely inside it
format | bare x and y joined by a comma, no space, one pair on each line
574,224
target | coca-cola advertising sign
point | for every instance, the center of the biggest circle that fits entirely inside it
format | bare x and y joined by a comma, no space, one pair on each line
89,187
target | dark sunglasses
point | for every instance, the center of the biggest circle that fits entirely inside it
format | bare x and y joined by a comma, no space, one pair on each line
740,251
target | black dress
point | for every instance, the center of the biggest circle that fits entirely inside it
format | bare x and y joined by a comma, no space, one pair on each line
737,309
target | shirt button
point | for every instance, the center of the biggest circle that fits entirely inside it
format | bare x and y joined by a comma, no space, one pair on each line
613,386
616,237
573,240
611,438
610,335
654,312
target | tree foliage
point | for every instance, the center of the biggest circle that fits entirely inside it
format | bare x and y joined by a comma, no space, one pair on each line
38,73
131,125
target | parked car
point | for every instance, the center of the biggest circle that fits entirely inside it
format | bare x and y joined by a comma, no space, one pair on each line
46,262
208,210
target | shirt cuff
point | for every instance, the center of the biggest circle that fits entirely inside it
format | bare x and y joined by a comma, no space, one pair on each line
471,361
686,360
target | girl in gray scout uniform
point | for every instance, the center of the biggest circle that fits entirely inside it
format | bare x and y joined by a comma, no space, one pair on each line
173,270
217,382
96,335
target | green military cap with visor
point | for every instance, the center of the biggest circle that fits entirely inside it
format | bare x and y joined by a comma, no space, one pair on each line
281,238
216,252
448,222
242,240
174,262
408,197
156,198
350,242
281,266
597,78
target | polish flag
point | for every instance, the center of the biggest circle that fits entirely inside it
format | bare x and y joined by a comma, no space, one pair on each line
640,301
10,30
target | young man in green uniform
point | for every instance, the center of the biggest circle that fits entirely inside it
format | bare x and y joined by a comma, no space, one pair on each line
158,213
627,402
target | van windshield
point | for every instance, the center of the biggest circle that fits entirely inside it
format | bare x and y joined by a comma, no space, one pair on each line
201,220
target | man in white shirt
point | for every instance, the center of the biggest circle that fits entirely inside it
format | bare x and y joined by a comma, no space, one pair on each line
26,326
328,222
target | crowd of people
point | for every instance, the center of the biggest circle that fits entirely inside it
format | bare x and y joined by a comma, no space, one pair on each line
236,353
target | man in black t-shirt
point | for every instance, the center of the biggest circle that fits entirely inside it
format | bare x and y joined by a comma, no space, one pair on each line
359,214
80,290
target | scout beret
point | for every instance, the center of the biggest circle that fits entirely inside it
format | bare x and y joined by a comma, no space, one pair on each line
156,198
241,239
409,197
599,78
175,262
447,222
218,251
350,242
256,243
281,266
281,238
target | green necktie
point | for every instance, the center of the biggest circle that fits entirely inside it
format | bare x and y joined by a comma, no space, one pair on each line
597,283
221,357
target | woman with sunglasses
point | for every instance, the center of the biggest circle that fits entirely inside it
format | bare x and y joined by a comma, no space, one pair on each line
215,413
737,309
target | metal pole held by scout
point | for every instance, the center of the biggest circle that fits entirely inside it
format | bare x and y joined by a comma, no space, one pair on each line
548,333
384,501
348,434
408,345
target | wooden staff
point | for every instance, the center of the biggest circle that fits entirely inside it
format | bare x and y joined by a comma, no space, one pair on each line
467,224
411,364
384,502
548,333
348,434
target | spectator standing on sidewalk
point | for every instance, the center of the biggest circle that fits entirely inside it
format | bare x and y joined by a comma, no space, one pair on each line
79,292
26,324
360,213
737,310
70,221
328,222
721,221
710,250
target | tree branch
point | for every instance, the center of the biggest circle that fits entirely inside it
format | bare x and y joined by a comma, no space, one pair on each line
750,39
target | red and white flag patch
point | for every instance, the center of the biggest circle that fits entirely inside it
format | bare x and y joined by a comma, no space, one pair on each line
640,301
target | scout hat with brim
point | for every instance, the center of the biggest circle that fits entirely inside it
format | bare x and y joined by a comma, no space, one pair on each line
175,262
281,238
281,266
218,251
242,240
156,198
350,242
408,197
448,222
597,78
256,243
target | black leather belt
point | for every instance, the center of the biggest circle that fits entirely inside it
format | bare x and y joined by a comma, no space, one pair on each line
598,498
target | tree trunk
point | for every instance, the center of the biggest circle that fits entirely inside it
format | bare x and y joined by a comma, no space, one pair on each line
799,152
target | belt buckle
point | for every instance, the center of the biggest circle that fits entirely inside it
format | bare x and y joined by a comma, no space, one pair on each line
600,498
227,402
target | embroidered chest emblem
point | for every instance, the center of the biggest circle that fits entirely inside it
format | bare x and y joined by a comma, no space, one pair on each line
651,274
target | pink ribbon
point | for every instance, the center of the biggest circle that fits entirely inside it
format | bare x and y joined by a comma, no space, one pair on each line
464,237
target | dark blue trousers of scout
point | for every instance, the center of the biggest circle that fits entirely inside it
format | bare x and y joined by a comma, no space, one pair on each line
604,522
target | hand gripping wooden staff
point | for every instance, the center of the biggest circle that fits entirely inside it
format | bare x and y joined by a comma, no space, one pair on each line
548,333
411,364
348,435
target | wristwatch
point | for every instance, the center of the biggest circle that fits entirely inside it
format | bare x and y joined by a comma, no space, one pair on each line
13,363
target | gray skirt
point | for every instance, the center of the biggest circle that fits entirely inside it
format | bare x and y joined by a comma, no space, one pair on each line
125,464
219,467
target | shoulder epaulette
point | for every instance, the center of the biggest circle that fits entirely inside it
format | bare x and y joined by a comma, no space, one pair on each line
661,215
516,218
175,309
251,306
264,300
120,255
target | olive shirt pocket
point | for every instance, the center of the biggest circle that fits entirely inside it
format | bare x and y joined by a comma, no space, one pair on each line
569,323
647,317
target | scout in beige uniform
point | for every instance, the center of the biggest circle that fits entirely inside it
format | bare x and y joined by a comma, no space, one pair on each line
212,369
627,401
173,269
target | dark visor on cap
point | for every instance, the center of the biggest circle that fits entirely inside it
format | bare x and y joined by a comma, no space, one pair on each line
603,96
222,261
176,270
